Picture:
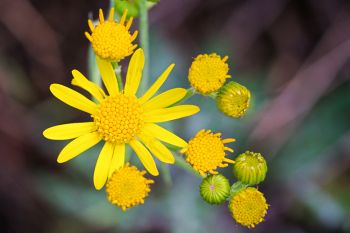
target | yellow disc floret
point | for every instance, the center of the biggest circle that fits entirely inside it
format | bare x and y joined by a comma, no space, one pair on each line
119,118
206,152
208,73
112,40
128,187
248,207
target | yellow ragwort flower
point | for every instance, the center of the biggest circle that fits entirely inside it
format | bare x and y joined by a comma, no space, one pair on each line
208,73
248,207
206,152
120,118
128,187
112,40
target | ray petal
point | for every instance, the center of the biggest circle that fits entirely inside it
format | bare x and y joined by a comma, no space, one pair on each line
158,149
91,25
164,135
108,76
165,99
172,113
145,157
102,165
73,98
81,81
123,18
156,85
134,74
111,14
78,146
118,159
69,131
100,16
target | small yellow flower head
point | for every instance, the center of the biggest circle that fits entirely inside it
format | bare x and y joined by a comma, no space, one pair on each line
206,152
128,187
248,207
214,189
111,40
250,168
233,99
208,73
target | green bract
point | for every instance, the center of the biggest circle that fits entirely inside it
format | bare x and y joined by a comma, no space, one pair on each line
215,189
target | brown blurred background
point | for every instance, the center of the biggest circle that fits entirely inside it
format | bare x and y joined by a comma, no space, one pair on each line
292,54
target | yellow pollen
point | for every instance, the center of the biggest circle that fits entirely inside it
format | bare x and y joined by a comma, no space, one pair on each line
206,152
248,207
112,40
119,118
208,73
128,187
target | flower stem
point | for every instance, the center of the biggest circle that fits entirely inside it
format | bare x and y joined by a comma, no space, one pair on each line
166,174
181,163
118,69
144,40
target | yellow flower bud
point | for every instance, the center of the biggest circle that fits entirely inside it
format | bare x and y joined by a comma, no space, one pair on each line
250,168
233,99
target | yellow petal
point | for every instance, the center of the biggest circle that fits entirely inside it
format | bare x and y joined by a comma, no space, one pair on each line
73,98
69,131
102,165
172,113
164,135
134,74
80,81
145,157
158,149
108,76
118,158
166,99
156,85
78,146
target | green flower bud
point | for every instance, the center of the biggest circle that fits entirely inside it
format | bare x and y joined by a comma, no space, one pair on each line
233,99
215,189
250,168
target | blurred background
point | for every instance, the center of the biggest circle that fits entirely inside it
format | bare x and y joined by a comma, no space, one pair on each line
294,56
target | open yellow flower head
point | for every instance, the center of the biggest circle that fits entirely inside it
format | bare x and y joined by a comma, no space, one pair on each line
112,40
120,118
233,100
128,187
208,73
206,152
248,207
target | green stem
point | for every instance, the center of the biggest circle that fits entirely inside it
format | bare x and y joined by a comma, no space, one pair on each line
144,41
94,74
181,163
166,174
118,70
190,92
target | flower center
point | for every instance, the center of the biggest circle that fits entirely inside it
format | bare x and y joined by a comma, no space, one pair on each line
128,187
111,40
119,118
249,207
